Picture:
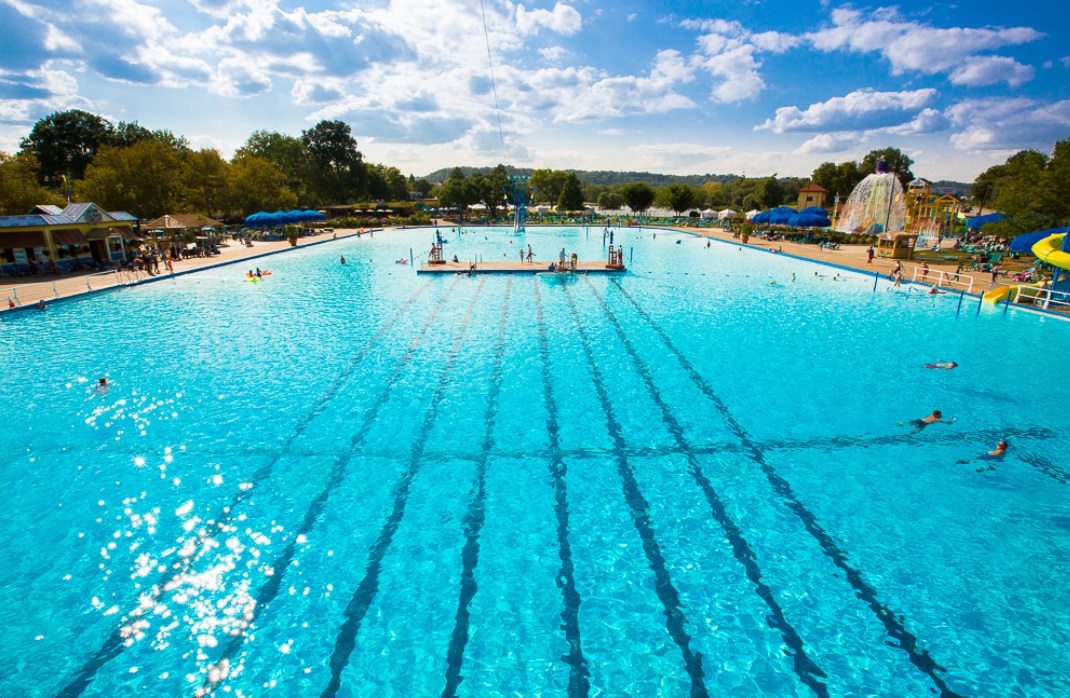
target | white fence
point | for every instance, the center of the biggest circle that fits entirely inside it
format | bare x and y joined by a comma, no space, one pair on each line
31,294
944,279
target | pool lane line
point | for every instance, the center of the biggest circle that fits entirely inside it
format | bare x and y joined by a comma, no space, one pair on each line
893,623
579,676
115,643
337,474
675,622
1041,464
475,517
364,594
804,666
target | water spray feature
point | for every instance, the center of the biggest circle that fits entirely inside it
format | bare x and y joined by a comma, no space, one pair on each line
876,206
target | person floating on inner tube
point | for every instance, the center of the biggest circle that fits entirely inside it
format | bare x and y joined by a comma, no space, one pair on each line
945,365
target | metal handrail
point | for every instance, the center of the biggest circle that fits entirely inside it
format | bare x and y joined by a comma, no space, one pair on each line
29,294
945,279
1042,297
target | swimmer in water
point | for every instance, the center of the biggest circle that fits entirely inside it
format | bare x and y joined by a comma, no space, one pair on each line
993,456
342,259
792,277
935,418
946,365
102,387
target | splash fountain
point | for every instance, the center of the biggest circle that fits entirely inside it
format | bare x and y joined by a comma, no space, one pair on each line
876,206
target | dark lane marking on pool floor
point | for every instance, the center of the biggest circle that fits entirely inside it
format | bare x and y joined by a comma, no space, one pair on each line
364,594
675,621
895,627
115,643
579,678
475,518
337,474
805,668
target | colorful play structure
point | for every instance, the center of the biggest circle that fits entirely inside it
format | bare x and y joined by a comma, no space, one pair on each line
1051,247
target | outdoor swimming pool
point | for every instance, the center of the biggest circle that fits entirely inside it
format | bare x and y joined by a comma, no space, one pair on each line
349,480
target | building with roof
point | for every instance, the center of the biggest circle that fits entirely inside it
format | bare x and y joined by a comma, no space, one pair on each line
812,195
49,238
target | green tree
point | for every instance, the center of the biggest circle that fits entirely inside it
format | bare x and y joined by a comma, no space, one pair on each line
206,180
638,196
20,190
769,193
257,185
127,134
681,197
286,153
548,185
337,166
1054,195
898,162
420,185
840,180
64,143
610,201
571,198
146,179
455,191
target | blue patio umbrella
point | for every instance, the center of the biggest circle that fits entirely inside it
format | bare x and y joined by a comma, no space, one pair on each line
298,215
1024,243
977,221
311,215
815,209
804,219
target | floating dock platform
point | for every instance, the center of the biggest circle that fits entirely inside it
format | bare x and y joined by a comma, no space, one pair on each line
599,267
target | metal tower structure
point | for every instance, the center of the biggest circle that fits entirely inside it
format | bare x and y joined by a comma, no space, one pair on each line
519,185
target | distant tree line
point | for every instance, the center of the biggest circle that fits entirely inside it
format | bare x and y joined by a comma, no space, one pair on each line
1031,188
76,155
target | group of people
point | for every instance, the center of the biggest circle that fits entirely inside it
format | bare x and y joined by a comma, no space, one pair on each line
937,417
565,263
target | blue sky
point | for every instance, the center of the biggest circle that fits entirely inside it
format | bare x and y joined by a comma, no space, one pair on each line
751,86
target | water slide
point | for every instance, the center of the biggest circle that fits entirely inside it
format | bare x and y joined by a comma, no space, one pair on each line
1049,250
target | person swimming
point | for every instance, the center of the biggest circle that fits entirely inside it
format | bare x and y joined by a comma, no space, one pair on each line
102,387
936,417
945,365
994,456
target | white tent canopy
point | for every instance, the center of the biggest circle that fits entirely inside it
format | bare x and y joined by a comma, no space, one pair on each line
726,213
708,214
752,213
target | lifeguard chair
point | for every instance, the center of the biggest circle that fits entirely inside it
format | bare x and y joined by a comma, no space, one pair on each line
436,254
616,258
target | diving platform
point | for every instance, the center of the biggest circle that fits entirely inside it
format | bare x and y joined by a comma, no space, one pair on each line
582,267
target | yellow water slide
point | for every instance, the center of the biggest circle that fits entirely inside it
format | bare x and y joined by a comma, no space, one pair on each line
1050,250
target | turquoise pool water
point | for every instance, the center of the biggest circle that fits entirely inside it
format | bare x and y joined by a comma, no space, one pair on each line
353,481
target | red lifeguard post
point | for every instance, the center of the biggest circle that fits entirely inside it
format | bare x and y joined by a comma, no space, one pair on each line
616,258
436,254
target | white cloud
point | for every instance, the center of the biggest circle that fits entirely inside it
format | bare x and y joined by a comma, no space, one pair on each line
632,16
1065,61
563,19
677,157
727,51
987,70
861,109
584,95
1003,126
553,53
829,143
917,47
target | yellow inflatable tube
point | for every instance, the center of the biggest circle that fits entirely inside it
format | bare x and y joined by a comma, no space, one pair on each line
1050,250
